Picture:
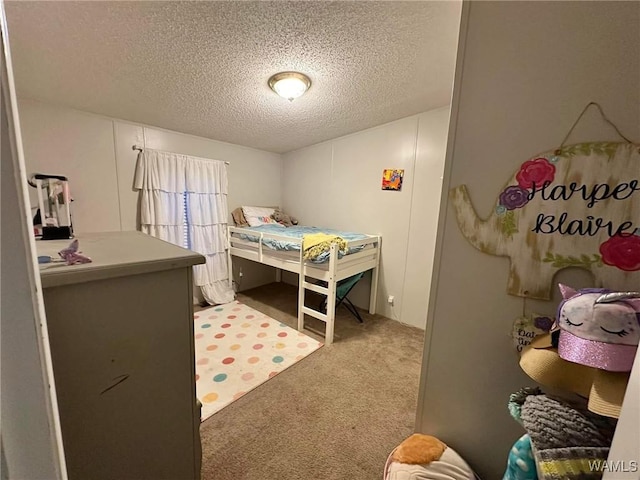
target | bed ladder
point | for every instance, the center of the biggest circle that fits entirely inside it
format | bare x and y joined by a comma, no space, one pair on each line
330,291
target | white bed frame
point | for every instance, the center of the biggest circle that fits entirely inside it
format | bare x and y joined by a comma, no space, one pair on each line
331,272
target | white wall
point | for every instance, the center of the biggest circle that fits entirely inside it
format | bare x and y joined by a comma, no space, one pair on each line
625,447
95,153
527,71
26,427
337,184
425,207
31,444
80,146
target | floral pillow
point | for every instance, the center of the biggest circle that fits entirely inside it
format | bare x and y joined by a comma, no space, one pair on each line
257,216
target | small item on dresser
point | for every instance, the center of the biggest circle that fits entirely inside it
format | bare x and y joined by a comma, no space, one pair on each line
53,217
423,457
45,259
72,256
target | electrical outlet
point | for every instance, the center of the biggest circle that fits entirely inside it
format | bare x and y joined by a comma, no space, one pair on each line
391,299
240,274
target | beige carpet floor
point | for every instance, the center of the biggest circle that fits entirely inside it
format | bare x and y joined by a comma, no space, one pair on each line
334,415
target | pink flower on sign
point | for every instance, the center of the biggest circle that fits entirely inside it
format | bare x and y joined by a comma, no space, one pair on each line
535,172
622,251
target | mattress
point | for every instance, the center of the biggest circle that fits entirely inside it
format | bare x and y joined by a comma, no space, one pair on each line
296,234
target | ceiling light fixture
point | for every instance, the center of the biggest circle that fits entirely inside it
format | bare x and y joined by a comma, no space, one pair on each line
289,85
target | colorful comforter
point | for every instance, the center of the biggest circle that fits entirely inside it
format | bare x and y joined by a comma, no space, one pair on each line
299,232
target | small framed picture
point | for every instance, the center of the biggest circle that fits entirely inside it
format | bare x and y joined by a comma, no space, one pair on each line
392,179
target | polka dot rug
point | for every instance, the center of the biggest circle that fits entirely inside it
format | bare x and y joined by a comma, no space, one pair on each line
239,348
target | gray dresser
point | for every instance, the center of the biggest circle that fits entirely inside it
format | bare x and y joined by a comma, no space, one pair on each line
122,346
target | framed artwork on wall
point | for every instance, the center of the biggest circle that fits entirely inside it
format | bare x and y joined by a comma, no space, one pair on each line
392,179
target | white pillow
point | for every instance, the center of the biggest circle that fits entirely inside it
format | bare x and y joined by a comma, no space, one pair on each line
257,216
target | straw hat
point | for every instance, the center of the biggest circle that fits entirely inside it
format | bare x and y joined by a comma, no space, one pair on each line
605,390
540,360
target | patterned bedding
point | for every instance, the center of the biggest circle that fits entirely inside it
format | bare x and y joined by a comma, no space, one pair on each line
297,232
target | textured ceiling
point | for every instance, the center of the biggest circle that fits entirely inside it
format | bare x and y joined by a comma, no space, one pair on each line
202,67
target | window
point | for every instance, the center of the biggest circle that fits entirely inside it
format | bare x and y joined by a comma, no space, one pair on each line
186,234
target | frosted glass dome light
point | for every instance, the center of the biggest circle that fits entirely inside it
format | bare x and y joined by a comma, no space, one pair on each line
289,85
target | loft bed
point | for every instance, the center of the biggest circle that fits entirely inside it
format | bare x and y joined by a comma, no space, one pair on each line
282,248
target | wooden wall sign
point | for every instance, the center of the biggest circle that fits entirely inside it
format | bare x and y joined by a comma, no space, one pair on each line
574,207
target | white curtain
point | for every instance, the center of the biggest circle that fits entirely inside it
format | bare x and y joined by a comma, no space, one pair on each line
184,202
